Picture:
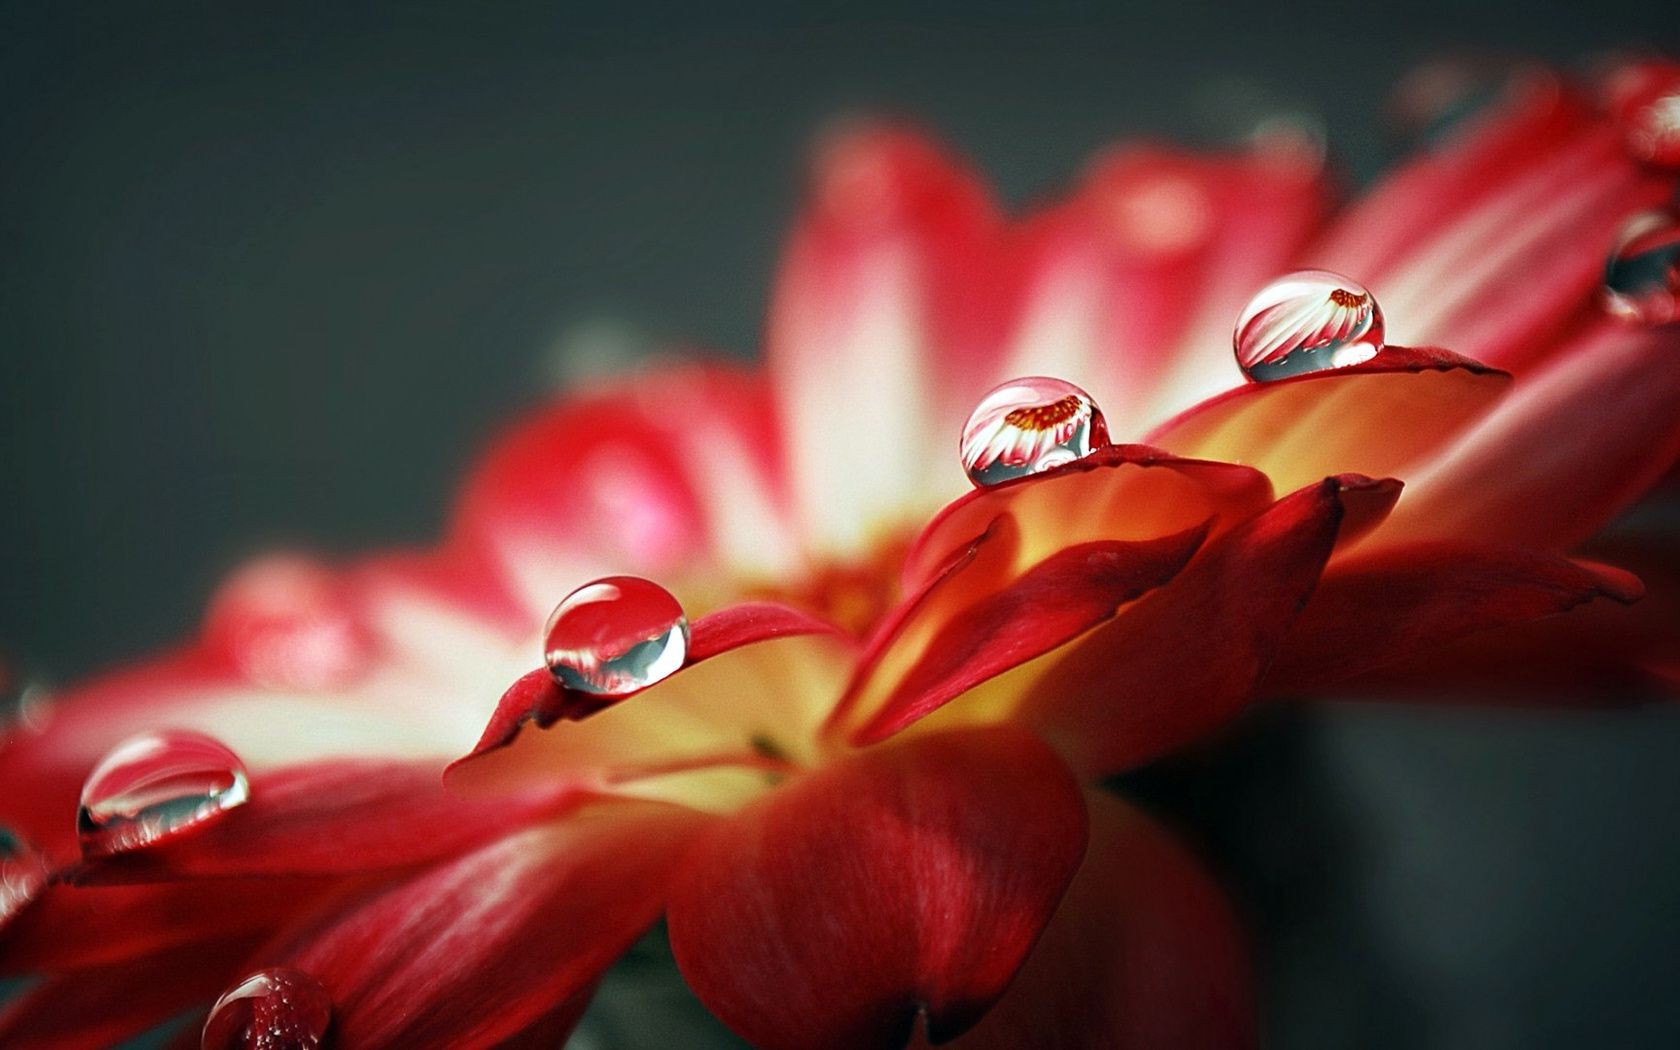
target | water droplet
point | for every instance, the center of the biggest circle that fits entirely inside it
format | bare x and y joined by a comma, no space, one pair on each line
1644,97
22,872
274,1009
1307,321
157,785
23,701
1027,426
1642,276
615,635
286,621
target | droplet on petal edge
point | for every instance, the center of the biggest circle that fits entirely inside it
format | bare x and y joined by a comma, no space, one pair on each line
615,635
1642,275
157,785
275,1009
22,872
285,621
1307,321
1028,426
1644,97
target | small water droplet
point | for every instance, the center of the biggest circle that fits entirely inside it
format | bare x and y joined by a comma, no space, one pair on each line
1642,275
157,785
1644,97
274,1009
615,635
1027,426
1307,321
22,872
286,621
23,700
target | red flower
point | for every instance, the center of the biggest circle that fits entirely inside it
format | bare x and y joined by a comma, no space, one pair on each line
863,802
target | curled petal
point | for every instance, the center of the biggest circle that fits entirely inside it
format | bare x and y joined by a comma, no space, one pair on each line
909,878
1383,607
1374,418
482,947
1143,953
1574,444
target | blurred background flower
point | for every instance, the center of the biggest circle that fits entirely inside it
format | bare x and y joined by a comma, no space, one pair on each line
273,277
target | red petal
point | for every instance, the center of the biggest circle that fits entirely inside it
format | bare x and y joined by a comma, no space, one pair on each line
1384,607
668,474
955,647
1144,953
1574,444
1187,657
103,1008
482,947
1374,418
332,817
537,697
878,331
910,877
1125,492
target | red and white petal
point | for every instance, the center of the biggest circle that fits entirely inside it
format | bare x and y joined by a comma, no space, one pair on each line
1143,953
1375,418
1574,444
909,879
1184,659
755,672
878,336
672,473
482,947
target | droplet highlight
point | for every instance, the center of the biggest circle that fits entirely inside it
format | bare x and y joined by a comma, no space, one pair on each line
615,635
1028,426
1644,98
1642,275
155,786
274,1009
1307,321
22,872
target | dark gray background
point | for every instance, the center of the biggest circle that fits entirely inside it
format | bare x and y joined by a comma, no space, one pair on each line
273,274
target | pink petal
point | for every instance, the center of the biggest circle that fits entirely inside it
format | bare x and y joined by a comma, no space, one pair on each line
480,948
910,878
1143,953
1375,418
1181,661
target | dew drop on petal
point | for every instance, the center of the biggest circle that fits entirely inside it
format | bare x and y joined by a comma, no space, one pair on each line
157,785
1307,321
1644,97
1027,426
22,872
274,1009
1642,275
615,635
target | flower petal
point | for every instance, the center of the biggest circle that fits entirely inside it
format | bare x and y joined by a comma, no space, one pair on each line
667,474
947,647
480,948
334,817
1386,606
909,878
876,331
105,1007
754,670
1574,444
1184,659
1143,953
1374,418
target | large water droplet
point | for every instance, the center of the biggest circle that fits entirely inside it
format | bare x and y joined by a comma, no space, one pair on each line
1027,426
1644,97
157,785
1642,276
22,872
1307,321
287,621
275,1009
615,635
